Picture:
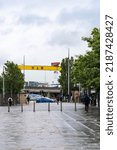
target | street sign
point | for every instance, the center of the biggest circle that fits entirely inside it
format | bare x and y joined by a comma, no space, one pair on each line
49,68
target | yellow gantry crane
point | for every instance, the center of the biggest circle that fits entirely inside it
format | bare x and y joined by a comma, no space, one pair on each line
34,67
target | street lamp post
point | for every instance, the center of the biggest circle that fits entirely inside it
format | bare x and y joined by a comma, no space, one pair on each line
79,91
24,69
3,85
68,76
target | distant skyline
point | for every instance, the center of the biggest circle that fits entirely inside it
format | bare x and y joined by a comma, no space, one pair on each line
42,31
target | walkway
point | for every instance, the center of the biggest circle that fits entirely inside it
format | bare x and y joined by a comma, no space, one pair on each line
54,130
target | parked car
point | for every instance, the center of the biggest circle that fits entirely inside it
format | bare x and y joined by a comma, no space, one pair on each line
33,97
44,100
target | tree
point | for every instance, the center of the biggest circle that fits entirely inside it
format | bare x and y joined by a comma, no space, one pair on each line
14,79
93,58
86,68
1,84
63,78
94,40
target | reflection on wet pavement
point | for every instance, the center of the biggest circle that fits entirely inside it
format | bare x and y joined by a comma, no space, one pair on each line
54,130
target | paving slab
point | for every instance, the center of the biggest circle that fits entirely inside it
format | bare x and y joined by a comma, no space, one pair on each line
54,130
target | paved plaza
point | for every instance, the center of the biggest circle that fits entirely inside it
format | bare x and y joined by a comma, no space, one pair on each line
49,130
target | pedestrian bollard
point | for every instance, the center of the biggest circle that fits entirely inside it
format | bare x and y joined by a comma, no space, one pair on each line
21,107
48,106
61,106
75,105
8,107
33,106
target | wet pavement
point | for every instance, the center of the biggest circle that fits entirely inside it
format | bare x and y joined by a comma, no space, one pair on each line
49,130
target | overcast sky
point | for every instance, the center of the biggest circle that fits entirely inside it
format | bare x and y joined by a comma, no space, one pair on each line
43,30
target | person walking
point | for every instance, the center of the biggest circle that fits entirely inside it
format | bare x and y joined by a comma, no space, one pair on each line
57,99
10,101
28,98
87,102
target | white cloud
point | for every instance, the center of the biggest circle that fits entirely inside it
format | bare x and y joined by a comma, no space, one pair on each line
43,30
65,38
32,19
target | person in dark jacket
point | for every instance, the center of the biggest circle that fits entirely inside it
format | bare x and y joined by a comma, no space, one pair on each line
10,101
87,102
28,99
57,99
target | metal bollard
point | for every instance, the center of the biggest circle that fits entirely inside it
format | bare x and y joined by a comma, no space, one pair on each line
8,107
21,107
48,106
33,106
61,106
75,105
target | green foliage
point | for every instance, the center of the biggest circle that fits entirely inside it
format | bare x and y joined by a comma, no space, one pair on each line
1,84
14,79
94,40
86,68
63,79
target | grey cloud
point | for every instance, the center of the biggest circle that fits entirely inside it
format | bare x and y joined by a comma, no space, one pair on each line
2,20
33,20
65,38
3,59
77,14
6,31
9,3
34,3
